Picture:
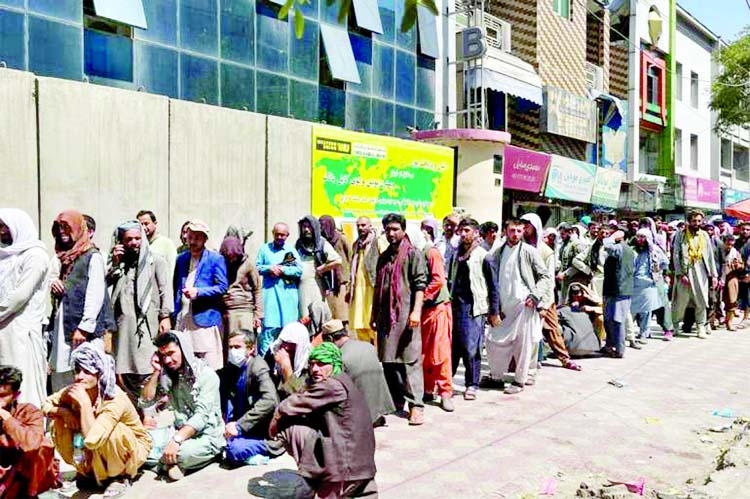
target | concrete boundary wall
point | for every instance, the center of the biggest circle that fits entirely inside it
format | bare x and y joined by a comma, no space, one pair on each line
110,152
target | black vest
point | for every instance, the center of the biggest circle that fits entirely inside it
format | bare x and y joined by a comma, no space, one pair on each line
75,297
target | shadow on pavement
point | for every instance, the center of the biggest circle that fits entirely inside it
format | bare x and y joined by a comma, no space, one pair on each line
280,484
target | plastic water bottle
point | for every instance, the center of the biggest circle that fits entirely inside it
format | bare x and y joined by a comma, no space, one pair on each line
78,456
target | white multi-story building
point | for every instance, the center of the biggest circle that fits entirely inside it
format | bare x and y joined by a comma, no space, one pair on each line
694,123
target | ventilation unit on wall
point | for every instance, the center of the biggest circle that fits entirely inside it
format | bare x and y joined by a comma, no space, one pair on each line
496,31
594,76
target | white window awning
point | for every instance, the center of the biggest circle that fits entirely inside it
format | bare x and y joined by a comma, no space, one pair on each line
507,73
339,53
128,12
367,15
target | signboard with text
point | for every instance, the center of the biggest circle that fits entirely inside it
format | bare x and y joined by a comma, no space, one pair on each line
570,179
701,192
607,184
357,174
569,115
524,170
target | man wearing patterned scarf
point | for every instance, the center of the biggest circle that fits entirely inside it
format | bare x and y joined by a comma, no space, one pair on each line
326,428
115,443
694,270
142,300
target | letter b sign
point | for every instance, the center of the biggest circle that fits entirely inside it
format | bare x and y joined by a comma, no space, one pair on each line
473,43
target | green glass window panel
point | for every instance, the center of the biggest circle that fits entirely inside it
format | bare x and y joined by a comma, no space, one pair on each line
304,52
238,31
271,94
161,16
425,120
358,112
156,69
405,77
237,87
405,39
55,49
383,72
199,26
403,120
272,39
107,55
425,82
12,43
331,105
362,46
382,117
387,10
69,10
303,100
12,3
199,79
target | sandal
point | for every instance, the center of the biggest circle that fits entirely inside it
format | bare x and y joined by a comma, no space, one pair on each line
530,381
116,489
572,366
513,389
470,393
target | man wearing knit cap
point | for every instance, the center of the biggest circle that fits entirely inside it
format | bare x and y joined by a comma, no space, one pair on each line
326,429
200,281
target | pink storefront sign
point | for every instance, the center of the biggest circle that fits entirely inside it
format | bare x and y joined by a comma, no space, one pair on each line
524,170
701,193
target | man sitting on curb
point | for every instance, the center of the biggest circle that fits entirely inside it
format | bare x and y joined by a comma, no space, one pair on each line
327,430
27,459
248,398
197,436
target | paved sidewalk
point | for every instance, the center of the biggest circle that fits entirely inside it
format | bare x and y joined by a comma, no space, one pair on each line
571,426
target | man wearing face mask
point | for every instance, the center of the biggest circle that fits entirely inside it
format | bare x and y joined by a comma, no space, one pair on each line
248,399
142,301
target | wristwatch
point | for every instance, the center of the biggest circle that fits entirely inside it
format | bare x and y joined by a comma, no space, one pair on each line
178,438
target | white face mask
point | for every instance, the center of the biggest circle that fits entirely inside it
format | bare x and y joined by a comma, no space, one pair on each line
236,356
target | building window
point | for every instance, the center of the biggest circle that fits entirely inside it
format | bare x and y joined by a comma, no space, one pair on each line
107,46
653,91
726,154
693,152
693,89
678,82
561,8
742,163
677,147
649,153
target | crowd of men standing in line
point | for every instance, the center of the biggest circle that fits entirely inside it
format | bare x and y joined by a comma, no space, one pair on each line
255,357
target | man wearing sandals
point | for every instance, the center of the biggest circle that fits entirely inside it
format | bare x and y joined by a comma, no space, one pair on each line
550,323
96,410
694,270
519,290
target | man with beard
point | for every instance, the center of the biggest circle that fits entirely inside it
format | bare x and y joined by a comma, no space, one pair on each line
159,244
82,310
23,296
339,275
568,273
520,281
365,252
27,457
326,429
468,281
650,262
200,281
396,316
448,242
694,270
279,264
547,308
591,261
197,436
319,261
142,301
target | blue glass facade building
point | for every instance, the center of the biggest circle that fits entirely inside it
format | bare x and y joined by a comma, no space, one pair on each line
238,54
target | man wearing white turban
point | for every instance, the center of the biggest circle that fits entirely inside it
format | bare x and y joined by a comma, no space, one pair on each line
23,289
